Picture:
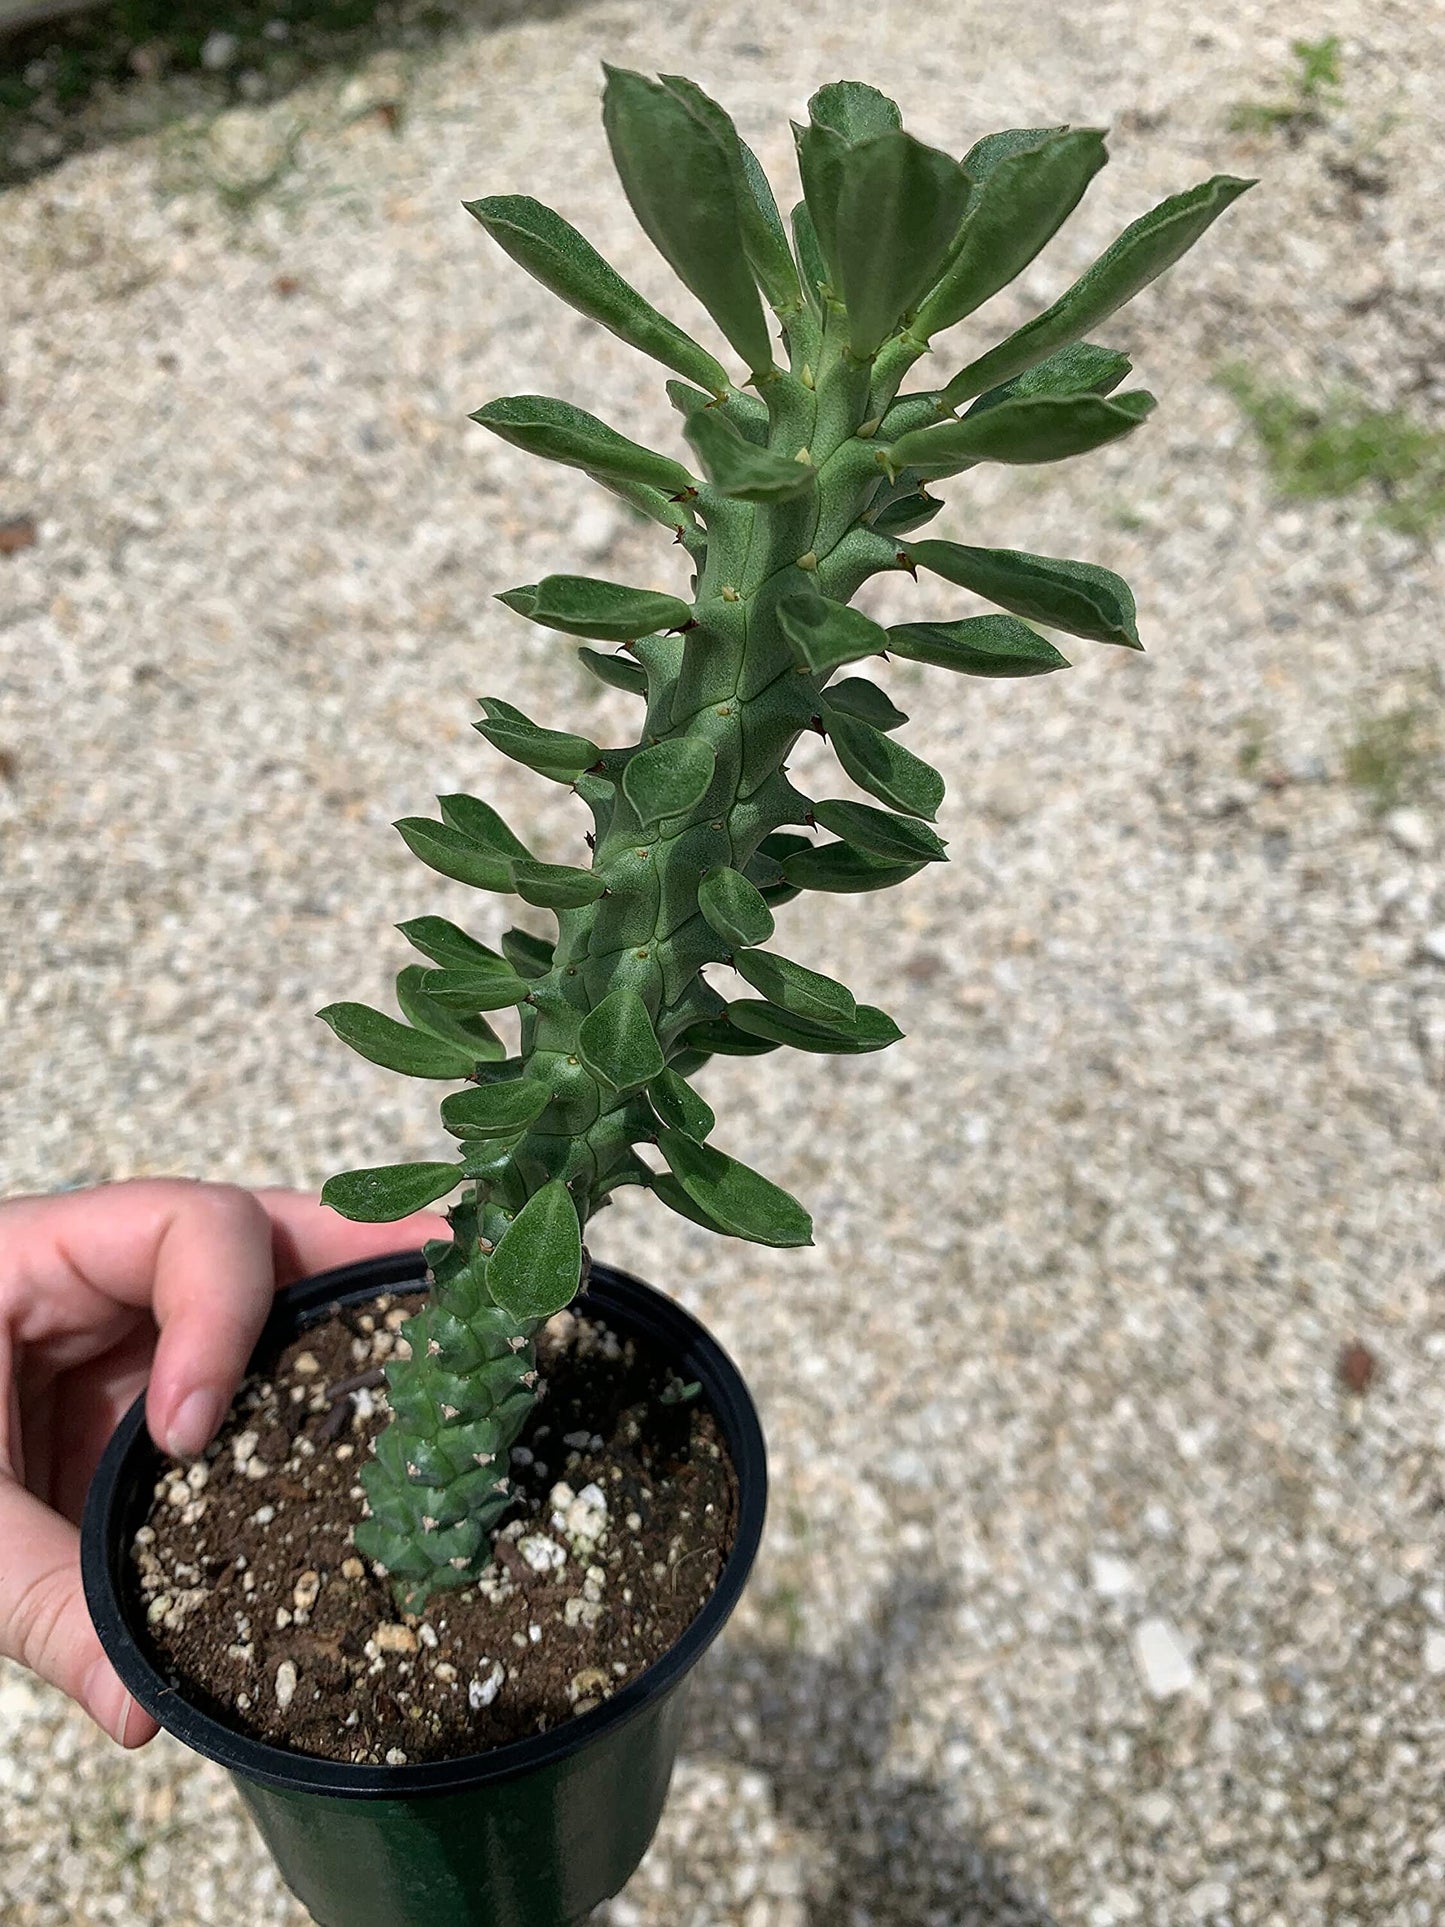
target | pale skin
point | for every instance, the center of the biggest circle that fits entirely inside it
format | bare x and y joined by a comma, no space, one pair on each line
156,1284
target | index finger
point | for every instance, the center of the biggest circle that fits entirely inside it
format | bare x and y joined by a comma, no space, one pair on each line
206,1258
222,1257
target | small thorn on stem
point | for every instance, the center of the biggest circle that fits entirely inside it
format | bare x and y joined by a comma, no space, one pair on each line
905,561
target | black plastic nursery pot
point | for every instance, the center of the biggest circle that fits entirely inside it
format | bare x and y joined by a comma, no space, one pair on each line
537,1833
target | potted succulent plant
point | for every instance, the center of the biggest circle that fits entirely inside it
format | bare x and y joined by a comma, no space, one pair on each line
802,484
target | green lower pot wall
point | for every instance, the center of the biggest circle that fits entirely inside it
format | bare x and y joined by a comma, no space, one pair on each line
540,1851
534,1834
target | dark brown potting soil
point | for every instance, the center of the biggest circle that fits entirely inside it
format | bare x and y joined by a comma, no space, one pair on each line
259,1604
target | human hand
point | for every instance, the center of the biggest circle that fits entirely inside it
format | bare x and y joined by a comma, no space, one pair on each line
166,1277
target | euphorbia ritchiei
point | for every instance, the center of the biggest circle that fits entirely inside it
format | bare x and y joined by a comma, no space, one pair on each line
805,479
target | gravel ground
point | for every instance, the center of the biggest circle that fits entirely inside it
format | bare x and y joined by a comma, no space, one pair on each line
1092,1594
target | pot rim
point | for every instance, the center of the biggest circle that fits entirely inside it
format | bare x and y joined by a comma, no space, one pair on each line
112,1512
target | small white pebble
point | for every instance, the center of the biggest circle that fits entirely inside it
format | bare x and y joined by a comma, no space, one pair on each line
1210,1897
481,1692
541,1553
395,1756
285,1684
263,1515
1162,1658
1111,1577
306,1363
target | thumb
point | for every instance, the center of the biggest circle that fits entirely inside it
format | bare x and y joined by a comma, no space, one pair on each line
43,1618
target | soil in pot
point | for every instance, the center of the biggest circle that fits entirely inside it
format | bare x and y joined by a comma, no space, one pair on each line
262,1610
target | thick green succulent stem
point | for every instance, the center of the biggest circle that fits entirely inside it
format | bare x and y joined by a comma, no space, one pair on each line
439,1481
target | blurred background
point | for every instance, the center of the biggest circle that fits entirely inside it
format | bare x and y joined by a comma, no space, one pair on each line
1104,1579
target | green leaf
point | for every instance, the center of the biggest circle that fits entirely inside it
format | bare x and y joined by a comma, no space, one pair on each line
527,953
670,778
556,886
666,1187
562,433
869,1029
551,752
844,871
717,1038
451,854
444,943
683,187
1143,251
764,868
745,413
1027,429
905,514
978,646
1078,597
495,1110
396,1047
740,1200
617,1043
419,1007
537,1265
1083,368
898,210
471,990
902,839
886,769
740,469
734,908
854,110
679,1106
764,242
821,153
812,268
481,825
389,1191
825,634
687,1063
620,672
606,611
1015,211
792,987
554,253
985,155
856,696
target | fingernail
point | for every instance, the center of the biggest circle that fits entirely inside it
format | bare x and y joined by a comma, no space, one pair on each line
196,1419
107,1701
